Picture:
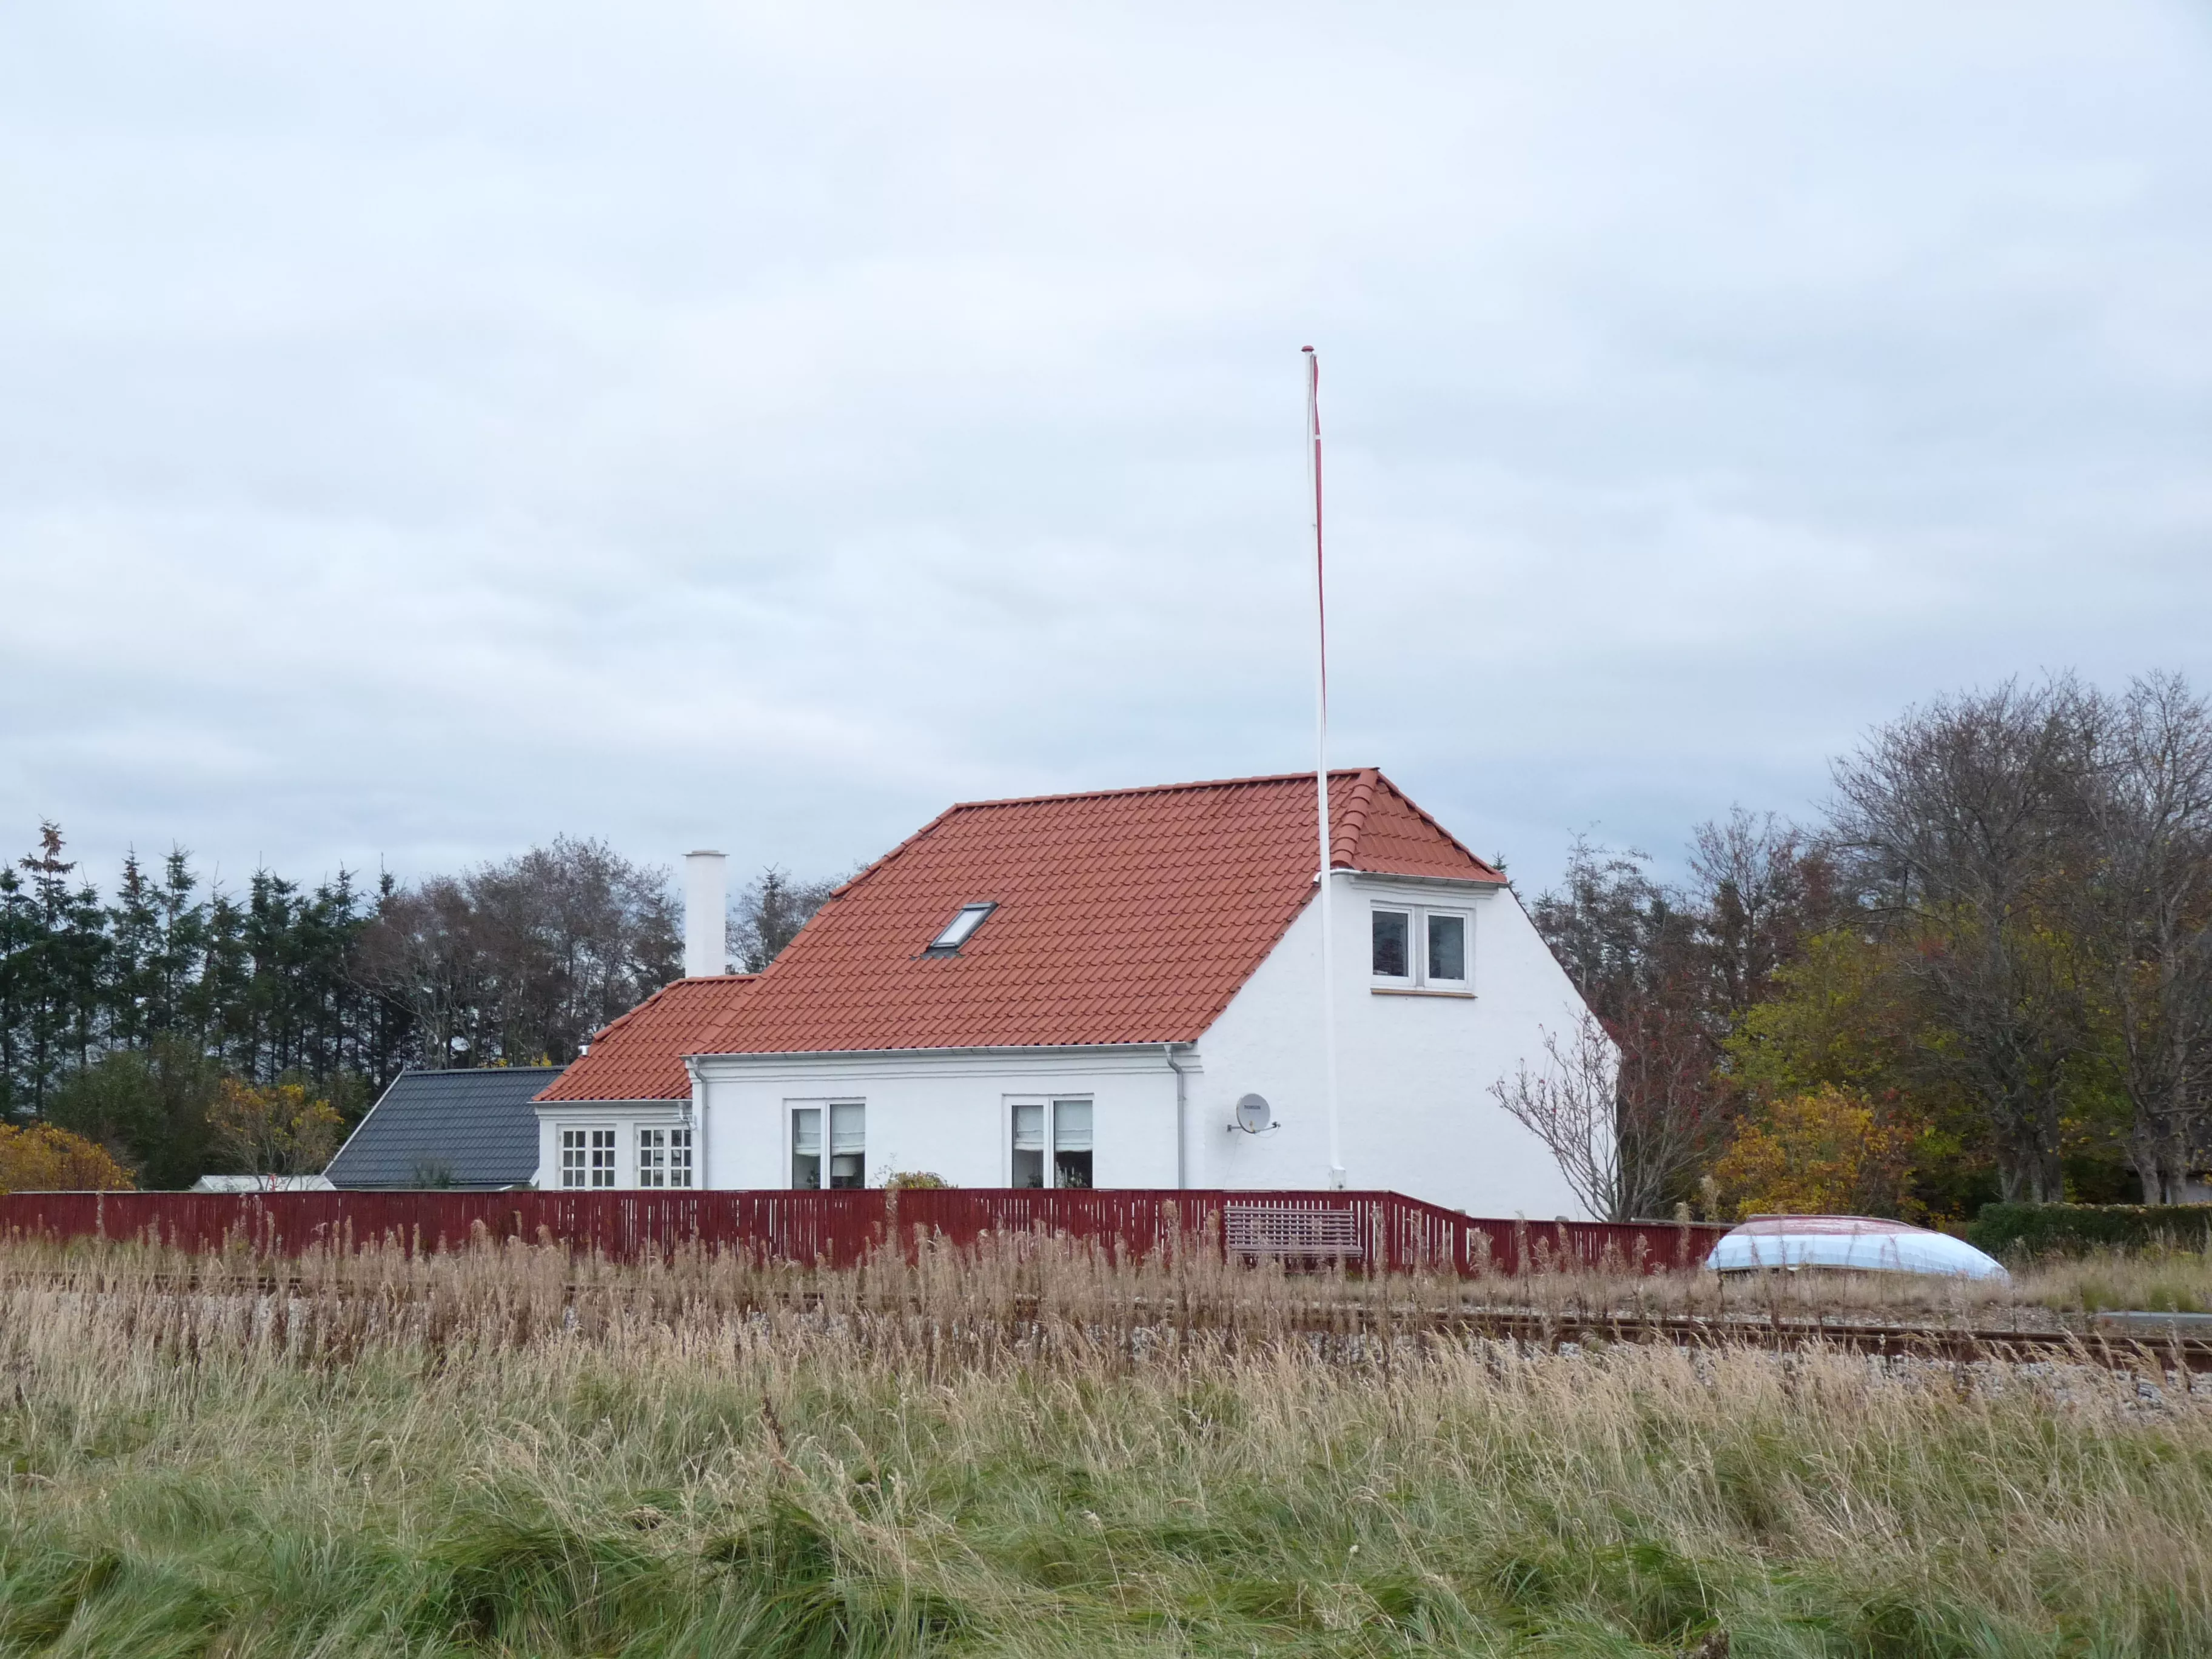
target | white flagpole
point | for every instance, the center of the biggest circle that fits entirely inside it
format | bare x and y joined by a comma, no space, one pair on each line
1320,769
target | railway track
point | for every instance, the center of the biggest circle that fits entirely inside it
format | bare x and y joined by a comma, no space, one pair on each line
2139,1341
2121,1349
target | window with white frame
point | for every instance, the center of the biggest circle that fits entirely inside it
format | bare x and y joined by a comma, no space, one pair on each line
844,1154
1052,1143
664,1157
588,1157
1417,947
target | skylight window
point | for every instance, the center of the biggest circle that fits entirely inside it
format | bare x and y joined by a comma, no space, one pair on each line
962,926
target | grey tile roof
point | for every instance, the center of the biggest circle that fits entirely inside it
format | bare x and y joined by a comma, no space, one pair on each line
474,1127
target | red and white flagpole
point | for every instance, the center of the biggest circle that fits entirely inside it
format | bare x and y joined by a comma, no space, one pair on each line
1323,883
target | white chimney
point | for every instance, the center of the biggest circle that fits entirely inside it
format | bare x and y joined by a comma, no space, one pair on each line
706,911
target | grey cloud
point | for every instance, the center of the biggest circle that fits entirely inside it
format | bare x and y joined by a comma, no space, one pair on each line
435,428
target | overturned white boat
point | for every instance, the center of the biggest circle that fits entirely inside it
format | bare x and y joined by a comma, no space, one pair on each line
1854,1244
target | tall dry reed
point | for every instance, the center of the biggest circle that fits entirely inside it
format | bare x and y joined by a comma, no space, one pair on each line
1032,1450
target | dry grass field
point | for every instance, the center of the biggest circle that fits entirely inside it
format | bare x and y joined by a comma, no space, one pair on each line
1039,1453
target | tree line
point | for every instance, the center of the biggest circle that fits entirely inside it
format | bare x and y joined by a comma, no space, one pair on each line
1983,971
133,1017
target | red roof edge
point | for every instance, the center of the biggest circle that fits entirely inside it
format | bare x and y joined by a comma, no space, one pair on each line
1423,815
621,1020
1352,823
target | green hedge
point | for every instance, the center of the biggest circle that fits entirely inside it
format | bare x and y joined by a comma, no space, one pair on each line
2072,1229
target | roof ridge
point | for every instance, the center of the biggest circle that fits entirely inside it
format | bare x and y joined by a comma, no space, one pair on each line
469,1070
1334,773
1344,843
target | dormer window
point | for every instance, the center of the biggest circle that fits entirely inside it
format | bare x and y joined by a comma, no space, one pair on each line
1418,949
962,927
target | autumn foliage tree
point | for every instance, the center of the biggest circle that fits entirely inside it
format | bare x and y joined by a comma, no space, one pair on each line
1825,1152
278,1130
41,1158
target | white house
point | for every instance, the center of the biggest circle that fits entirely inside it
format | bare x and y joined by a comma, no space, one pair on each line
1079,990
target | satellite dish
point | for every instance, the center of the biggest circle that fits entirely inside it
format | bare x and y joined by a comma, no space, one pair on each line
1253,1115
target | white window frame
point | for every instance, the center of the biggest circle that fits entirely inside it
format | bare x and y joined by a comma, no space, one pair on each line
588,1146
1417,979
664,1157
1429,913
1050,1105
828,1108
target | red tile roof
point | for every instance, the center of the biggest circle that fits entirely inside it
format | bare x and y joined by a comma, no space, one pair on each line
1129,915
641,1055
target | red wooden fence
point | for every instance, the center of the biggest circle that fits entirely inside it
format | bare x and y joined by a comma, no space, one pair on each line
836,1229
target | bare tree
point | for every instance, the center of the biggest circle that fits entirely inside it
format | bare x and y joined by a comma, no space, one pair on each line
523,960
579,935
1962,819
426,953
1629,1124
1614,929
1572,1105
1635,954
1672,1115
769,914
2149,912
1759,886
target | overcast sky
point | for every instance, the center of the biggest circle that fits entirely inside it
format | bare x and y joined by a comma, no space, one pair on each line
429,427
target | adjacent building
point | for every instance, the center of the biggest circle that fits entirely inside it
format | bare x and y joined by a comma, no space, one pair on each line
474,1128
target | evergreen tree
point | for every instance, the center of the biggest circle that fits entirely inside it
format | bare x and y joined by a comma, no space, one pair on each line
59,956
19,935
134,941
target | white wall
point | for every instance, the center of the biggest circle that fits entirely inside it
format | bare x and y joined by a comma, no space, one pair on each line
624,1117
948,1113
1415,1112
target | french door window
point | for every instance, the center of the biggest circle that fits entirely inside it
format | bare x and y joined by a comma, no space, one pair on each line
588,1157
664,1158
1052,1143
846,1153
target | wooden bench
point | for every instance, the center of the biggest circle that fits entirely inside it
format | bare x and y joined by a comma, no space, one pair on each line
1280,1230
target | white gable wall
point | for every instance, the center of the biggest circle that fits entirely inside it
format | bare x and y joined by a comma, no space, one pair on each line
1415,1111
